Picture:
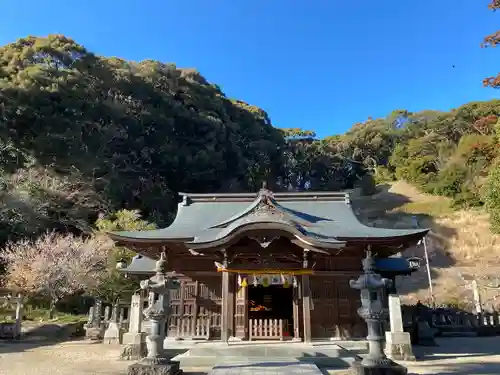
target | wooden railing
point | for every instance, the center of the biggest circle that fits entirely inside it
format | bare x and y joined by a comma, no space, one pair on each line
260,329
183,327
197,330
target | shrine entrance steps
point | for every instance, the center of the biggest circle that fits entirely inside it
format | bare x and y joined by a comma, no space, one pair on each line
267,368
270,355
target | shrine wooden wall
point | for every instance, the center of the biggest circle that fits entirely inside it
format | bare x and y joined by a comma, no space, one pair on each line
334,310
335,304
198,301
196,307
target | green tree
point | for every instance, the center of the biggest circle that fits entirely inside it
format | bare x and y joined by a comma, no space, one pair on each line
132,134
113,285
492,40
492,196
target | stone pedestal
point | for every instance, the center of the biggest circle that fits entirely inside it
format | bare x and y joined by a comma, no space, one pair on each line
397,342
398,346
94,329
135,340
146,367
112,335
135,346
94,333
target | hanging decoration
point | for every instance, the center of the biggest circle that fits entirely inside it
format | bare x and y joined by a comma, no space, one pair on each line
244,282
286,284
265,281
295,282
239,280
276,279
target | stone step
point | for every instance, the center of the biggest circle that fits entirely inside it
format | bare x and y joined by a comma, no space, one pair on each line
330,355
210,362
267,368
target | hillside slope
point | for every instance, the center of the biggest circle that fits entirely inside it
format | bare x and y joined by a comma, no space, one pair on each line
461,245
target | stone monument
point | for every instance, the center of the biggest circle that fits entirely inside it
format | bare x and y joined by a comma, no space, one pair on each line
14,330
157,362
107,314
94,329
371,286
112,335
398,343
135,340
19,315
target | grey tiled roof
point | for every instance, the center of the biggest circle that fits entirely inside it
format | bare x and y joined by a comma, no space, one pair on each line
325,218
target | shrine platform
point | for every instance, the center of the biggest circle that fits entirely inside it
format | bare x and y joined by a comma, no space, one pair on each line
328,354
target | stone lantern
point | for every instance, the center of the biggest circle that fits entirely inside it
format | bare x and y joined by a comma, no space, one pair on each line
157,362
371,286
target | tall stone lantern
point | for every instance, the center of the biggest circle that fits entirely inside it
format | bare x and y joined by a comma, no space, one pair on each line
371,286
157,362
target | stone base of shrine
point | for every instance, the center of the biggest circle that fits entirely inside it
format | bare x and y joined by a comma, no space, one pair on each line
391,368
94,333
145,367
398,346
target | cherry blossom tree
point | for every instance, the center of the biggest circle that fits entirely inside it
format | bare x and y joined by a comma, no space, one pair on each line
55,265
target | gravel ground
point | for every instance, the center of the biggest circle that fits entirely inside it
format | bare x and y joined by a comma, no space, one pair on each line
465,356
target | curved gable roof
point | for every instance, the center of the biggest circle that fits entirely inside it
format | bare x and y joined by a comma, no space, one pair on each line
325,219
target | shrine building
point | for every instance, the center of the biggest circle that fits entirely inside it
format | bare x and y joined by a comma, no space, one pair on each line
266,265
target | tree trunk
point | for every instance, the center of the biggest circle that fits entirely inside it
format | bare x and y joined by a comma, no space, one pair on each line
52,308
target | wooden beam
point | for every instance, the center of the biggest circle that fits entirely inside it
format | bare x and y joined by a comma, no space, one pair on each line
226,318
306,307
231,302
225,308
296,315
306,299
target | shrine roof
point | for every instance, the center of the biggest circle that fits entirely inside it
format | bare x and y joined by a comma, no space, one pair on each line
320,219
140,264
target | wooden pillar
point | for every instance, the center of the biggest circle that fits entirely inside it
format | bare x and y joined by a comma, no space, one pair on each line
231,304
296,315
224,334
194,316
227,318
241,314
306,307
306,299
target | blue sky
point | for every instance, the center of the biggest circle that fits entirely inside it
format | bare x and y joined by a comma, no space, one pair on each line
316,64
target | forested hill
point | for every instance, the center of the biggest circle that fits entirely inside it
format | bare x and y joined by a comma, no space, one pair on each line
443,153
83,135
